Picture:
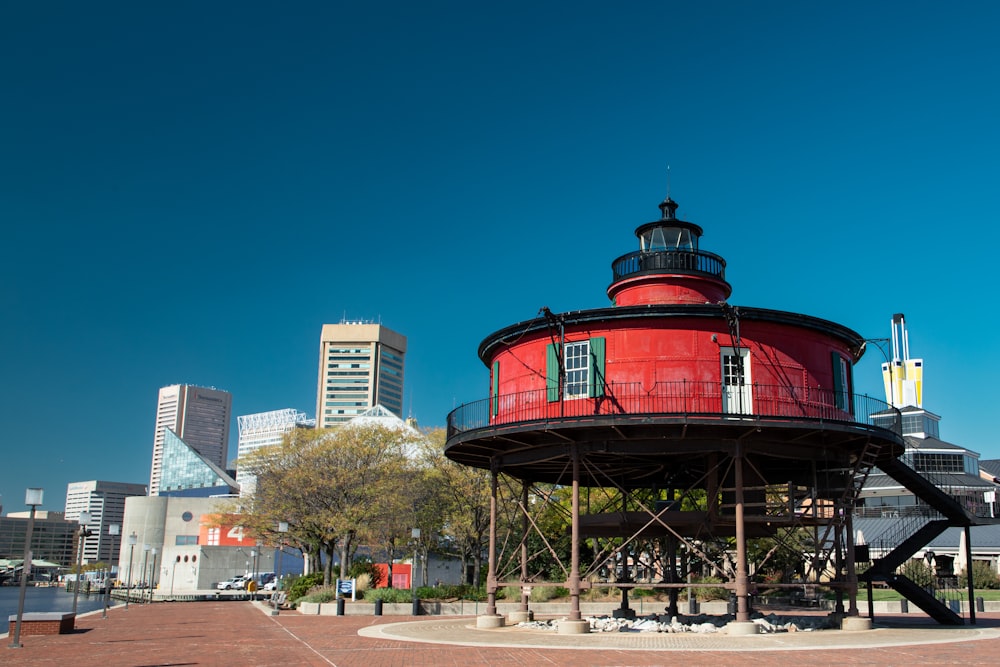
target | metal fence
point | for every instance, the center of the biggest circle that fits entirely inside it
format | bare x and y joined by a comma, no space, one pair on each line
683,398
684,261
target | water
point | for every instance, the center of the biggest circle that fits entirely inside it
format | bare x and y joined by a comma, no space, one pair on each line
45,599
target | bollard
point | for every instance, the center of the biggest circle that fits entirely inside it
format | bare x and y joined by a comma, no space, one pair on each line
416,607
904,606
980,605
692,606
378,607
340,606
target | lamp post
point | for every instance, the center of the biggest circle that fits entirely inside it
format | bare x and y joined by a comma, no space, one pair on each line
173,575
415,534
282,529
152,575
132,539
145,560
84,534
251,586
32,498
113,530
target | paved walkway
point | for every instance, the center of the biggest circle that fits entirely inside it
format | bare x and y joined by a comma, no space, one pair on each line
243,633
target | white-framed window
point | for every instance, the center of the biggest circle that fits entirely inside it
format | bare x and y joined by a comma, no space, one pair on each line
577,364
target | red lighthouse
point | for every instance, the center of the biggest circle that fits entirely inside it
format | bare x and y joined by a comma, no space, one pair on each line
672,393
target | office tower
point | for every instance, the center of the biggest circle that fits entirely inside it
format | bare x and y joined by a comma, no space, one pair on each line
200,416
264,429
105,501
53,539
360,366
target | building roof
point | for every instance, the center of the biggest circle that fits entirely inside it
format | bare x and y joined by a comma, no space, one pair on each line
925,444
991,467
880,480
983,538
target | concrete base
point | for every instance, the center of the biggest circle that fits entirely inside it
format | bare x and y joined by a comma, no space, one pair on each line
486,622
521,616
573,627
742,628
855,623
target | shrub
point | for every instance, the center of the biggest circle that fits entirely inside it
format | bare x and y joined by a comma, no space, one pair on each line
983,576
389,595
364,567
546,593
711,593
320,594
509,593
459,591
919,572
300,586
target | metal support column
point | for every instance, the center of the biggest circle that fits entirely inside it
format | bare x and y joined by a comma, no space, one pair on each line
852,569
524,545
491,574
742,577
574,571
968,575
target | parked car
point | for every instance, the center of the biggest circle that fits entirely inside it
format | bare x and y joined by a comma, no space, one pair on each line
235,583
271,585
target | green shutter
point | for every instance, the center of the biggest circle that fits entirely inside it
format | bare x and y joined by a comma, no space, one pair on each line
838,381
552,371
495,389
596,374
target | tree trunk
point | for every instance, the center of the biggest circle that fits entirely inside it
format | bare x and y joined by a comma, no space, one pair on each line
344,551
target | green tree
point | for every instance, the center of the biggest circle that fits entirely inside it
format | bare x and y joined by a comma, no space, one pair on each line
983,576
329,485
461,503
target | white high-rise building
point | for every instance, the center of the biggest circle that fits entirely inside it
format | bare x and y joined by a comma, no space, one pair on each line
198,415
360,366
264,429
105,501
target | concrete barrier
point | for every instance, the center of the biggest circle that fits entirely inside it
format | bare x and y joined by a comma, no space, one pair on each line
549,609
43,623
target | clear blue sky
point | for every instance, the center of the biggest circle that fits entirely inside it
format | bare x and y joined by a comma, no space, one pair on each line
189,190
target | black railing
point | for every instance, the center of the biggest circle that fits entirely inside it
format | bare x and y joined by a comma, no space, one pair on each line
678,399
683,261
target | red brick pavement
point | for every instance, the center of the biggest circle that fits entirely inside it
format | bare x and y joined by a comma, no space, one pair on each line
239,633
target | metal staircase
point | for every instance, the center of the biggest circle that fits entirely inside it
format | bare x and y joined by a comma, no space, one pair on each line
925,600
906,537
858,475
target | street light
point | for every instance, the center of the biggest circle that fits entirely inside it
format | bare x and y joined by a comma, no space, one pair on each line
32,498
252,586
415,534
145,559
152,575
84,534
132,539
113,530
282,529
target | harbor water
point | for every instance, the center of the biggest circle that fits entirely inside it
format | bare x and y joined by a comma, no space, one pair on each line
50,598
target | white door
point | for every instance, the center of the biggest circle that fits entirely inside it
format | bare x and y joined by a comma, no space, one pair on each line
737,396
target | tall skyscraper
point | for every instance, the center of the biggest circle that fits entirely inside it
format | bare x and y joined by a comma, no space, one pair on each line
105,501
198,415
264,429
360,366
